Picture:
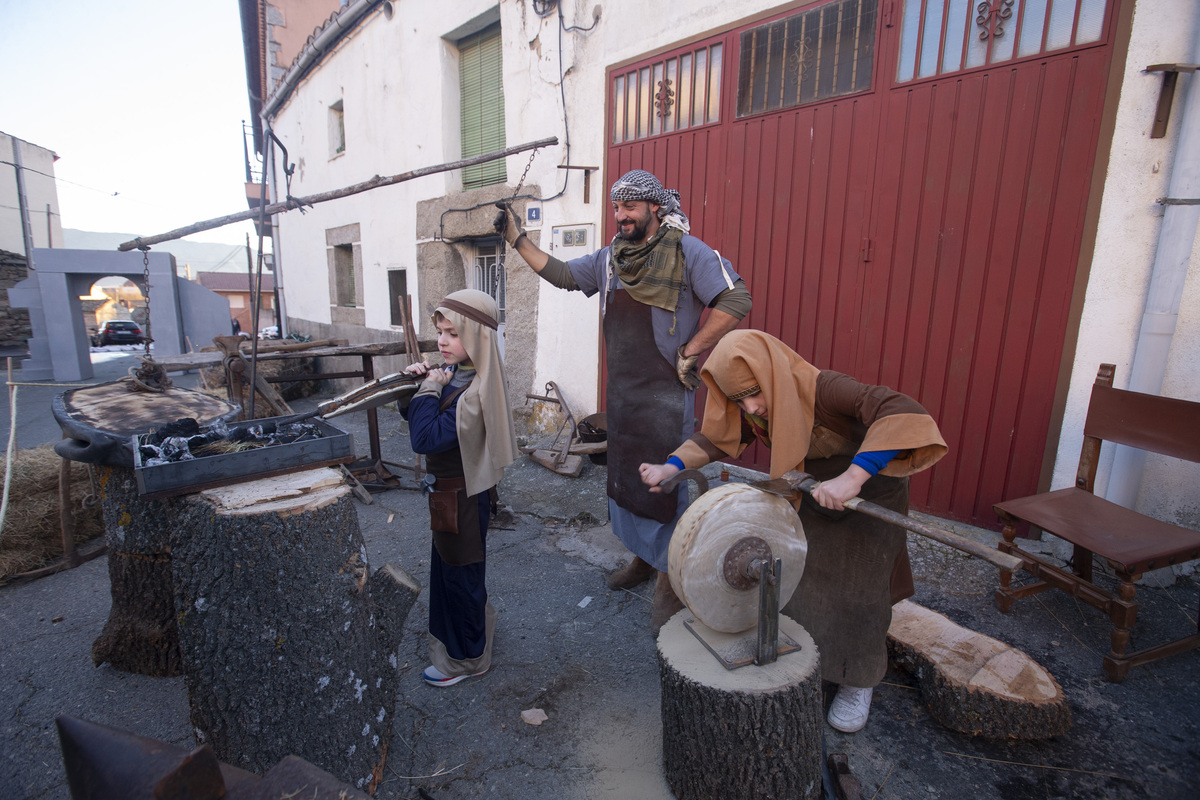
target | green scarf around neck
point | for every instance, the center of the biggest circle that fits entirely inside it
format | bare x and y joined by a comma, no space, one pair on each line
652,272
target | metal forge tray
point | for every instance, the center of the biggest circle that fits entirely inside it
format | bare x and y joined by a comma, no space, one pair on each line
209,472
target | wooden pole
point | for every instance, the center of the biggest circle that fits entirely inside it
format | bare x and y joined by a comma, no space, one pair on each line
66,517
372,183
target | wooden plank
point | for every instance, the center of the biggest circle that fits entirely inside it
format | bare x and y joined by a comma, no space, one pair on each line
187,361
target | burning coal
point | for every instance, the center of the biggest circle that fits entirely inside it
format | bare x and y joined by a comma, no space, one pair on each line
183,439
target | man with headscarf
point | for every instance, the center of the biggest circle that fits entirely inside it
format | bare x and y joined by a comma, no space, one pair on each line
858,440
654,280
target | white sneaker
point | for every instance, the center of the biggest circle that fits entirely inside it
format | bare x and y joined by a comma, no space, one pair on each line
435,677
849,710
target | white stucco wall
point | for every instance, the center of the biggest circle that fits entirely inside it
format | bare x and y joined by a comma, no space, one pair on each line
1139,172
389,77
40,191
398,81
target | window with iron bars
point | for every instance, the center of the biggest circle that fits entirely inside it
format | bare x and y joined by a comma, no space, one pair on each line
489,273
826,52
682,90
942,36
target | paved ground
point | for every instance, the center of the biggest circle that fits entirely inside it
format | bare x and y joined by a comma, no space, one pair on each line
584,654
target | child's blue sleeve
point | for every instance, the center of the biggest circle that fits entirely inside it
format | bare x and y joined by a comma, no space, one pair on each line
430,430
874,460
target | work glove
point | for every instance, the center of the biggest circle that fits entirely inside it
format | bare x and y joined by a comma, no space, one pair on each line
507,224
685,369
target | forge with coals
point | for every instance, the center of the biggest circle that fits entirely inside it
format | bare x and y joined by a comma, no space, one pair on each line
181,457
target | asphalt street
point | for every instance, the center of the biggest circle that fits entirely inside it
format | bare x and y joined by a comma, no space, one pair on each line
584,655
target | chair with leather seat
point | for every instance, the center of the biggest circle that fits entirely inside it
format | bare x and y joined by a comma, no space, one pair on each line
1131,542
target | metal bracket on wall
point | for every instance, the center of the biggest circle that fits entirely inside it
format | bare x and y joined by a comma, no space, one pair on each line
587,179
1167,95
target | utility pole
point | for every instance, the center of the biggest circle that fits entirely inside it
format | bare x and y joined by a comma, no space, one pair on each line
23,203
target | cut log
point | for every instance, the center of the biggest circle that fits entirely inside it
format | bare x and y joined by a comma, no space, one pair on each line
288,648
140,634
753,732
973,683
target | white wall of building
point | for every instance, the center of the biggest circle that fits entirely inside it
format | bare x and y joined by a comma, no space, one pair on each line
40,192
398,82
1139,172
393,79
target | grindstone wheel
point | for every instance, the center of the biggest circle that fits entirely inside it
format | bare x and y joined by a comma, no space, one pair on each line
725,530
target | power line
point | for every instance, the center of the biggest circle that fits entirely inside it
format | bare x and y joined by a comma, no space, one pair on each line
57,179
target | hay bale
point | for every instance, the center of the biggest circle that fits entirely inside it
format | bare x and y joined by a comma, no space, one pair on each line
32,535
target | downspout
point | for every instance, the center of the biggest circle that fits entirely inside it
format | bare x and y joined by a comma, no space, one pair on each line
276,260
1175,240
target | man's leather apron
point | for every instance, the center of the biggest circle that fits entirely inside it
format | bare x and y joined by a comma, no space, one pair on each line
645,407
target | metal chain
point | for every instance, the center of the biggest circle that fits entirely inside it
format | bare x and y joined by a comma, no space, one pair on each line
521,182
146,297
150,376
517,191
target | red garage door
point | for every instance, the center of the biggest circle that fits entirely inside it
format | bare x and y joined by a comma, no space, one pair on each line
903,186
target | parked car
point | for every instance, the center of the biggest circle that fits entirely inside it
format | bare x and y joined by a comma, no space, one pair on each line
118,331
269,332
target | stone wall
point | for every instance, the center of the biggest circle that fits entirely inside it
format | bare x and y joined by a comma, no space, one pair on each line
15,328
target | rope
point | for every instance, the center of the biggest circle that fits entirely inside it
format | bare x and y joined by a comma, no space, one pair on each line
51,385
8,457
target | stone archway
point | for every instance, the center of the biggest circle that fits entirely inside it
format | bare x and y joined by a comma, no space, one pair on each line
180,310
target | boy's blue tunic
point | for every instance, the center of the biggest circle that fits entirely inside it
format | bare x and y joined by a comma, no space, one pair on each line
457,594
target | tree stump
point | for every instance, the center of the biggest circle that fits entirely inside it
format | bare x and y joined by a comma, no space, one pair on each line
99,423
288,648
973,683
140,634
753,732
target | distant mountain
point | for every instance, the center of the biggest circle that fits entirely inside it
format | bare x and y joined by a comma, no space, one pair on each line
199,256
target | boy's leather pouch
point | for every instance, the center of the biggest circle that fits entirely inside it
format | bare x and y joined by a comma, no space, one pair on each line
443,511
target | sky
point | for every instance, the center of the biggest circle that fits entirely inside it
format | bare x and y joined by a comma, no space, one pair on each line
142,101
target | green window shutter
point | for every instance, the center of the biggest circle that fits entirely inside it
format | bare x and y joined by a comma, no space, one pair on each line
481,87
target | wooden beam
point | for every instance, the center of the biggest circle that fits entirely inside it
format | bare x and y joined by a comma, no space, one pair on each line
298,202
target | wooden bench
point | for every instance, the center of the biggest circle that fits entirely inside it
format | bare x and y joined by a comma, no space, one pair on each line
1131,542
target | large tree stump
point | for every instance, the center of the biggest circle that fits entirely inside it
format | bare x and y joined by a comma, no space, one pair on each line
973,683
753,732
99,423
288,648
140,634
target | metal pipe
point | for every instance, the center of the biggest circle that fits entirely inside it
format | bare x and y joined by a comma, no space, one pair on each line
1161,311
767,650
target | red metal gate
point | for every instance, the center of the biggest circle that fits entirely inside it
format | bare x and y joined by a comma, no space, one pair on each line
907,208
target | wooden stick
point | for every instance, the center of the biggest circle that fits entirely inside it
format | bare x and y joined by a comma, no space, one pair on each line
792,484
66,519
372,183
1039,766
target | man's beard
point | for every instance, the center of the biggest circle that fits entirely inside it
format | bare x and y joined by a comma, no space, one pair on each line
637,234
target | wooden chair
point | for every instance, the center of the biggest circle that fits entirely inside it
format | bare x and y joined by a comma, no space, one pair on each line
1131,542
